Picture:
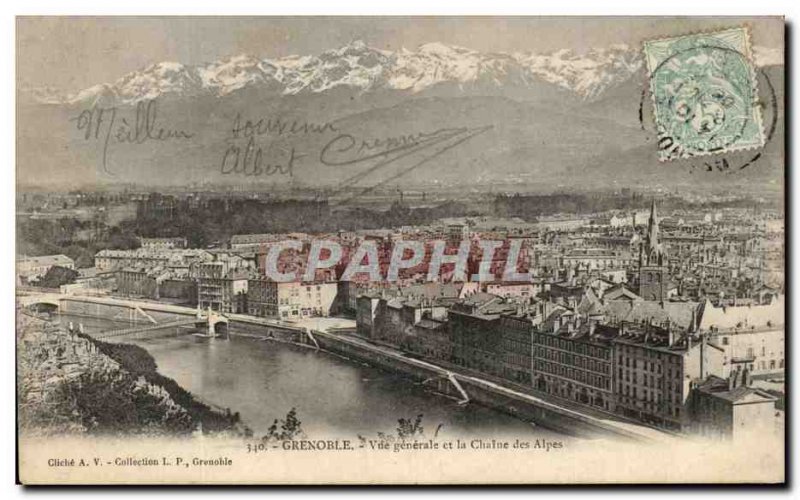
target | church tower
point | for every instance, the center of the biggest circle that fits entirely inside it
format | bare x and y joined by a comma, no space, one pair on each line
652,269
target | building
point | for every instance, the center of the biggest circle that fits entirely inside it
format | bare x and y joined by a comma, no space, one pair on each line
257,242
162,243
591,259
412,318
752,334
476,331
30,269
113,260
732,409
138,282
615,220
574,359
222,283
652,269
655,369
514,289
289,301
414,324
349,292
518,353
158,283
457,233
366,314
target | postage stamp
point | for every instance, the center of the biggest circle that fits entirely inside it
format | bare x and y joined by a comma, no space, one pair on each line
705,94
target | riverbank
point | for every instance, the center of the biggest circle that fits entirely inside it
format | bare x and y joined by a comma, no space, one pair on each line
139,363
450,381
69,383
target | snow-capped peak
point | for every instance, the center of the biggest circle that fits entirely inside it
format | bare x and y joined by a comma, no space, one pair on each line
587,75
233,73
157,80
443,49
363,68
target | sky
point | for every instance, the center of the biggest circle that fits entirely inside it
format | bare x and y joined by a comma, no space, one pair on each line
72,53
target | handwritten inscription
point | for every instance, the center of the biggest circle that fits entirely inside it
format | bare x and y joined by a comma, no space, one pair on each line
252,159
277,126
247,156
346,149
414,150
263,146
109,126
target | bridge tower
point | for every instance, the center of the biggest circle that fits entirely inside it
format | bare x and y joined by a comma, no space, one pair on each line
214,318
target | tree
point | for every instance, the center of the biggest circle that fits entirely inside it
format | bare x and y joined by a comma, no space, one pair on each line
408,429
290,426
57,276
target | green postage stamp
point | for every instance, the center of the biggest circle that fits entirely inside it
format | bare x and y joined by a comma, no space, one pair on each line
705,94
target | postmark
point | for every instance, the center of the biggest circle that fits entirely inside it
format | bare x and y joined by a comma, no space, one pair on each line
704,94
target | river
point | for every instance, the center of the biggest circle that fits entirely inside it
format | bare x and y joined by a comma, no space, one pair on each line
263,380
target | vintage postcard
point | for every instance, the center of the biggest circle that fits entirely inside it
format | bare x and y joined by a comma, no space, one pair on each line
400,250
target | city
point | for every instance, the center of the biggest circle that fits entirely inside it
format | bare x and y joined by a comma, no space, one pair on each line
674,320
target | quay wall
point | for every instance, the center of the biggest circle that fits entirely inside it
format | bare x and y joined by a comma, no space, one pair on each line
436,378
432,376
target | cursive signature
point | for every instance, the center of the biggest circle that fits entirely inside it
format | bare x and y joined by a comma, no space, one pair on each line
110,126
346,149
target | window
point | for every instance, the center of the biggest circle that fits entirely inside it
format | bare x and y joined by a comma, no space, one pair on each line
724,340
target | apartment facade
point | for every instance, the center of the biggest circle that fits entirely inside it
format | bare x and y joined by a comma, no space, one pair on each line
289,301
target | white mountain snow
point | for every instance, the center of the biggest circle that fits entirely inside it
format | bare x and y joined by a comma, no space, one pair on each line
361,67
587,75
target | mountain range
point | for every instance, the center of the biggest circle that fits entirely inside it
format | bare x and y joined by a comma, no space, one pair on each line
550,116
361,67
